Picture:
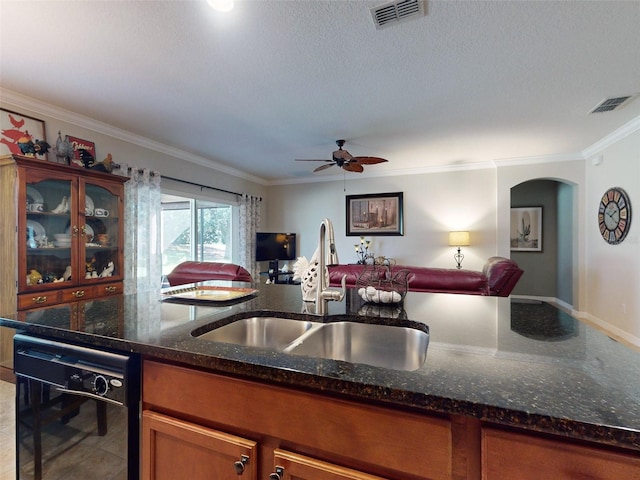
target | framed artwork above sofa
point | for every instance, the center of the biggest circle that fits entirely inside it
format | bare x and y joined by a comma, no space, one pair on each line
375,214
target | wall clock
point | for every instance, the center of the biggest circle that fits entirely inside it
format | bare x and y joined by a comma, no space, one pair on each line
614,215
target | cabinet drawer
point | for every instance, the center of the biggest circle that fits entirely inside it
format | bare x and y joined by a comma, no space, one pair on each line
39,299
78,293
349,433
93,291
109,289
522,456
52,297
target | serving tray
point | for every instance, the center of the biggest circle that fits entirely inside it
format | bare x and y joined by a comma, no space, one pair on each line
209,293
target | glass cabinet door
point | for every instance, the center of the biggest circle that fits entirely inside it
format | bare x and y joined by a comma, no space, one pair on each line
101,248
49,240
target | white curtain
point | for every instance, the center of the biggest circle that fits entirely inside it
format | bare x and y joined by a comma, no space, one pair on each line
142,255
249,225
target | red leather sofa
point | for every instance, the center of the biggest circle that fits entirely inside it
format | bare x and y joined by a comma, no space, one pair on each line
497,278
190,272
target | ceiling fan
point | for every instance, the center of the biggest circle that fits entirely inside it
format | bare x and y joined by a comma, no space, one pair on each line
345,160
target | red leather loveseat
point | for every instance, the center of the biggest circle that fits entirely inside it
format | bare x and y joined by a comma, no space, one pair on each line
497,278
190,272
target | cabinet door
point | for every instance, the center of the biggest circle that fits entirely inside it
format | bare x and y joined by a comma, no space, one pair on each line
292,466
522,456
47,244
173,449
101,230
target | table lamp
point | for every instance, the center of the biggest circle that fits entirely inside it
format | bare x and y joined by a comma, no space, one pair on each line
459,239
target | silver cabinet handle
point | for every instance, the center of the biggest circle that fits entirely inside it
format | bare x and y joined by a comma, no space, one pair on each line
239,465
277,475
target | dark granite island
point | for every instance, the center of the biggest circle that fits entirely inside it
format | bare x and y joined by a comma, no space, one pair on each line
511,382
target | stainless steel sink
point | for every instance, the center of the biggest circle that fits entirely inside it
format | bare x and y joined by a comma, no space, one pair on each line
268,332
394,347
399,348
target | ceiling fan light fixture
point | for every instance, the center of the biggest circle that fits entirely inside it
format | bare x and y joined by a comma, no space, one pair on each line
345,160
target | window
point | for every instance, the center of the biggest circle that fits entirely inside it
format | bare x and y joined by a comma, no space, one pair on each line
195,229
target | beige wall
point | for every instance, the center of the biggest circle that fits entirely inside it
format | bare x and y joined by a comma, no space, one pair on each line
612,272
434,204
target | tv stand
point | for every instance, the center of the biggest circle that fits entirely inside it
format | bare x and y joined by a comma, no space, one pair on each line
277,276
282,277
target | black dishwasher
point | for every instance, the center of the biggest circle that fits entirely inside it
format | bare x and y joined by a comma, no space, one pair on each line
77,411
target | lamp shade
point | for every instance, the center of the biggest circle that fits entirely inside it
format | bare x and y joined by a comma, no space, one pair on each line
459,239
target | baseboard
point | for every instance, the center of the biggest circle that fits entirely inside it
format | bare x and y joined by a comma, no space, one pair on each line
537,299
612,331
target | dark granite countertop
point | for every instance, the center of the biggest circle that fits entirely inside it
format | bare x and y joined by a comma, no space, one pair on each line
520,364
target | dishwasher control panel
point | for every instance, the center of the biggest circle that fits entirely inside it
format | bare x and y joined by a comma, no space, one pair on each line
76,369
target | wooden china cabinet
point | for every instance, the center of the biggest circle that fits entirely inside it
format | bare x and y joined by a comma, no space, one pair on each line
61,234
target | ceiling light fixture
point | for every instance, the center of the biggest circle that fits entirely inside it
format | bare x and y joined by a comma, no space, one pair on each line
221,5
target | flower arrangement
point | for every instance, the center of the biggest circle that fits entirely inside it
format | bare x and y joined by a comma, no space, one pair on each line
362,251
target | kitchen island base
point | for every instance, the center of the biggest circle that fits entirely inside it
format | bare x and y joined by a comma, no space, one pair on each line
324,437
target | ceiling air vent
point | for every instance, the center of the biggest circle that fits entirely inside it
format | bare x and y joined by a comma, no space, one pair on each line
609,104
394,12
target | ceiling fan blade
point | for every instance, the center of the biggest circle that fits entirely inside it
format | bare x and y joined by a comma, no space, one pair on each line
353,167
368,160
311,160
323,167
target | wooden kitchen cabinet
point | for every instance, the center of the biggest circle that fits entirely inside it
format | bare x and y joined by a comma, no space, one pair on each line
57,223
316,437
70,220
528,457
292,466
174,448
67,226
312,436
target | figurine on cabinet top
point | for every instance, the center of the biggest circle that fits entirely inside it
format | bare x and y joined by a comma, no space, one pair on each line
63,149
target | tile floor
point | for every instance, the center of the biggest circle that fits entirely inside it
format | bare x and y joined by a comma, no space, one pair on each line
7,432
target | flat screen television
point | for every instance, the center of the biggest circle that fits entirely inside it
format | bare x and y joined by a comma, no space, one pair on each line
275,246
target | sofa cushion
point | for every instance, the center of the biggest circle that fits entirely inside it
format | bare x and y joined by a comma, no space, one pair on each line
447,280
421,279
497,278
190,272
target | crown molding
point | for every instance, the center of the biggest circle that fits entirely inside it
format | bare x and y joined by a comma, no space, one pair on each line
388,173
614,137
22,101
519,161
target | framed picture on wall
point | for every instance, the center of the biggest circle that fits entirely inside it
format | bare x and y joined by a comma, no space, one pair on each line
526,229
84,152
15,127
375,214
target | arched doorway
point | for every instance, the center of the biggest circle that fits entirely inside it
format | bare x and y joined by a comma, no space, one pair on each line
549,271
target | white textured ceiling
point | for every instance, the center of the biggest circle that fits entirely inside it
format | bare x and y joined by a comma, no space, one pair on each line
272,81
